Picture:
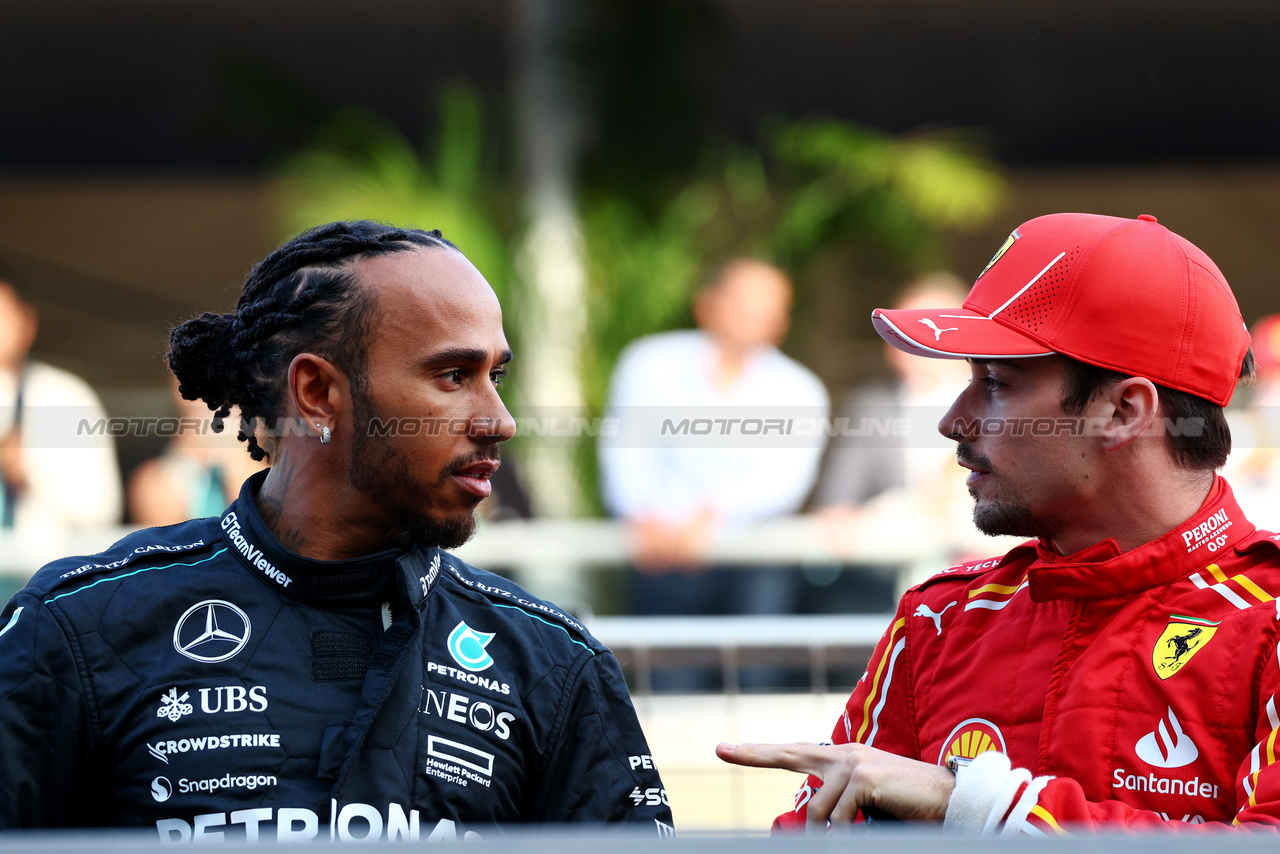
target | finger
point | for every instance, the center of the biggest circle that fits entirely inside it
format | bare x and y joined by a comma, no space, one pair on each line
824,800
802,758
846,808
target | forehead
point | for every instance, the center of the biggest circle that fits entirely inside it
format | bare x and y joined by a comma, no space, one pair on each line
433,295
749,281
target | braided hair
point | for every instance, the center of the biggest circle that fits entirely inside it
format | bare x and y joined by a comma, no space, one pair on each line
303,297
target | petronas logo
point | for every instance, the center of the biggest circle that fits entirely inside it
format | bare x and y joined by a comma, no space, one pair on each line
467,646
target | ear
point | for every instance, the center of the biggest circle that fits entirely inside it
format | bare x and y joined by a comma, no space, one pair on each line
1133,403
318,388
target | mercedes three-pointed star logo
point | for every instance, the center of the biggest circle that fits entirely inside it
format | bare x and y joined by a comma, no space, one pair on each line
212,630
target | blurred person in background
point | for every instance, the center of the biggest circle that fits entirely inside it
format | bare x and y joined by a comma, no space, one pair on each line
897,483
198,474
1120,671
311,664
1254,416
57,477
676,495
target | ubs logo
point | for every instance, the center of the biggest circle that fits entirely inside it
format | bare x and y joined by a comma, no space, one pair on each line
212,630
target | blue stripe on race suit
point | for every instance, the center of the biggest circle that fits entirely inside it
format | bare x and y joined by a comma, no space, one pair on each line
135,572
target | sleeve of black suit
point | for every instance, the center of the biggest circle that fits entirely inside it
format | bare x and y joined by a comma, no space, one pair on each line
600,768
47,724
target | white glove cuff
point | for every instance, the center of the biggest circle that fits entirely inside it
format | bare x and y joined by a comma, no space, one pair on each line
983,794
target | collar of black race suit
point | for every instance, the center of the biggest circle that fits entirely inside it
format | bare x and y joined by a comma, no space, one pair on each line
367,580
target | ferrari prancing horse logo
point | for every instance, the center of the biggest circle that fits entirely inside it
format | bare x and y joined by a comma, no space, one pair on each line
1182,638
1013,237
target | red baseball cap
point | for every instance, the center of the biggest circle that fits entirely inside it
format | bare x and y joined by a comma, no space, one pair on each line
1124,294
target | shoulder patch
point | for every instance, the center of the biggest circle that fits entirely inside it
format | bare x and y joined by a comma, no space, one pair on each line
977,567
503,593
187,538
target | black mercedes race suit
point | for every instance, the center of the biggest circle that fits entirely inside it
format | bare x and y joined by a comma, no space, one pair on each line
205,681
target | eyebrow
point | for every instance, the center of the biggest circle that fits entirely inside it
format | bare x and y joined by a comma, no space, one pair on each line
465,355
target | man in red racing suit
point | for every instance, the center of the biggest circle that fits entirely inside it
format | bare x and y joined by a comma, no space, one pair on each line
1120,671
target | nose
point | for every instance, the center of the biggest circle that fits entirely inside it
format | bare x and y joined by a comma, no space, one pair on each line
954,424
495,426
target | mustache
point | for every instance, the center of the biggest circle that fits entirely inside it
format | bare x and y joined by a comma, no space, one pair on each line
966,454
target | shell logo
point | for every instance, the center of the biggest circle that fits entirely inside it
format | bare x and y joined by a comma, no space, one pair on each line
970,738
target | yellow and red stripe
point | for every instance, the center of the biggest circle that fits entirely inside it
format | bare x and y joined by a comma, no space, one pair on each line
879,675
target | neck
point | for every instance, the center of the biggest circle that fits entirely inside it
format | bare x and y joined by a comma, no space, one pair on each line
1136,510
731,361
304,506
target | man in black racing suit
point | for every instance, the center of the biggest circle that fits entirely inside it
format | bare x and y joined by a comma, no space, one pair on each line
280,674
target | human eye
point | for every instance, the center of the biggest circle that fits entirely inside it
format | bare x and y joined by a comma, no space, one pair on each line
455,376
991,383
497,376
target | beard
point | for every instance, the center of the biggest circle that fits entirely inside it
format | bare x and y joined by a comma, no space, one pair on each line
1010,516
380,470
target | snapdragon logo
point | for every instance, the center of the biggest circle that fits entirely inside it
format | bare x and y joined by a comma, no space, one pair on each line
467,646
161,789
226,781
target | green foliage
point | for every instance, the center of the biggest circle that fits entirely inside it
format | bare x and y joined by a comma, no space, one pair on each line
362,168
817,184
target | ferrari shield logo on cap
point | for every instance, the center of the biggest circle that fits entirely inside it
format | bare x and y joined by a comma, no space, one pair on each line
1004,247
1182,638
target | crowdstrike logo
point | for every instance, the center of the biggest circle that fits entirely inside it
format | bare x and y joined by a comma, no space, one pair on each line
212,630
1168,746
467,646
162,750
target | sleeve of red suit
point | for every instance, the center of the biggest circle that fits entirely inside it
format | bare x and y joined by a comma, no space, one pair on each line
877,713
993,798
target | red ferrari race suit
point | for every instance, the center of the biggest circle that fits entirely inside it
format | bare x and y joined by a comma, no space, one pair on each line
1131,690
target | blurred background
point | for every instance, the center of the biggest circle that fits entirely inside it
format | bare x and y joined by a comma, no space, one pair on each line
599,160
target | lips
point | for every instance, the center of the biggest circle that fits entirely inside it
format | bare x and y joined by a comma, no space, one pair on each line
474,477
979,466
